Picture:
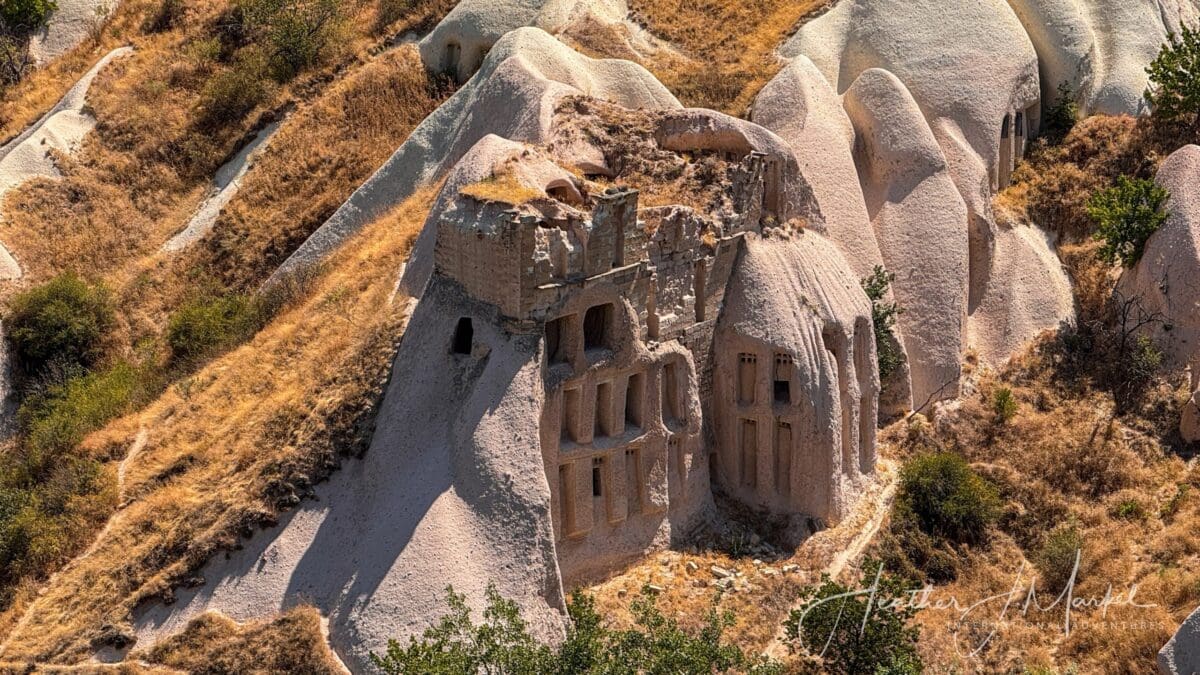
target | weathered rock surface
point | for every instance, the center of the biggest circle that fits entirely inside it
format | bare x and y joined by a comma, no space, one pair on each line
919,219
1189,426
513,95
794,297
452,491
68,26
1167,278
1181,655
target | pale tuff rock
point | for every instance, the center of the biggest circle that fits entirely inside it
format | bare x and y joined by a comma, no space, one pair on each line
67,27
973,74
1167,278
800,106
915,211
1181,655
556,398
795,359
460,42
31,154
1189,426
513,95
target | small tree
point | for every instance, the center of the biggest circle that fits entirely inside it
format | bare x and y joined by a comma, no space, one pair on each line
948,498
1174,89
25,15
296,32
64,320
860,630
883,317
1125,216
1004,404
1062,116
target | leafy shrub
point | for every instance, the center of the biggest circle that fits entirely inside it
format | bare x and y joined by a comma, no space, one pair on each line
57,420
25,15
295,33
883,317
1129,509
1004,405
948,498
205,325
231,94
64,320
1125,217
1062,116
1058,556
1135,371
853,631
502,644
1174,90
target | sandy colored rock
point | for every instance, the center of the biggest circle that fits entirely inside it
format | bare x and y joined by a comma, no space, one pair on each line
795,314
919,220
67,27
1167,278
513,96
460,42
801,107
1189,426
1181,655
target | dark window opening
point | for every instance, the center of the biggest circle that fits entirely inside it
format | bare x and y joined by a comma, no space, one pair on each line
464,335
1005,128
556,344
597,478
596,325
1020,124
634,393
453,51
783,391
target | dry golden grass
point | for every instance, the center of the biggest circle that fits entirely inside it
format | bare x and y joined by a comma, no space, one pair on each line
720,68
1067,457
503,188
214,643
232,445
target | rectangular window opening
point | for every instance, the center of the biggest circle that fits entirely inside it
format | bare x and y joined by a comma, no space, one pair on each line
597,477
634,395
597,326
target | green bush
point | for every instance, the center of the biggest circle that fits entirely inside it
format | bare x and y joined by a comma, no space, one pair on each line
858,630
64,320
25,15
1058,556
1125,216
1135,371
206,325
1129,509
295,33
56,420
502,644
231,94
948,498
883,316
1174,90
1004,405
1062,116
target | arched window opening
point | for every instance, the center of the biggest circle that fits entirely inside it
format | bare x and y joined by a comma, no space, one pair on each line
464,337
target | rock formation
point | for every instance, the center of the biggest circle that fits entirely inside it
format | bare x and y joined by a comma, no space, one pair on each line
566,380
1181,655
1189,426
1167,277
68,26
513,95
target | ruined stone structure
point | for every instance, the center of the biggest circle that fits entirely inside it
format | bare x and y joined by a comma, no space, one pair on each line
634,317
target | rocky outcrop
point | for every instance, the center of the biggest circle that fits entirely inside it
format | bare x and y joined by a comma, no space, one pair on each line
513,95
919,220
459,43
1181,655
72,22
801,107
795,359
1167,277
1189,426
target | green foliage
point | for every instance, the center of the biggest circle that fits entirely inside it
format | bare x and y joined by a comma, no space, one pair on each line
948,499
1062,116
1174,90
883,316
858,630
1058,556
25,15
1129,509
1135,370
231,94
1004,404
64,320
502,644
1168,510
295,33
1125,216
204,326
